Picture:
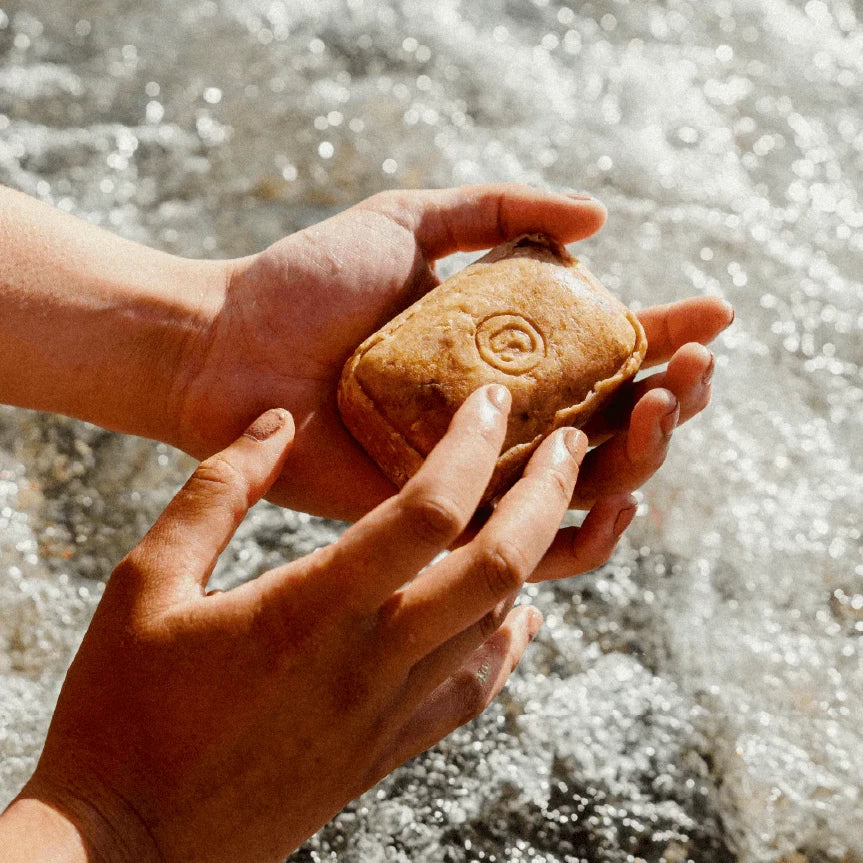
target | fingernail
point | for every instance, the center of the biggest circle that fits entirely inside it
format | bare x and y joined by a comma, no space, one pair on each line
576,442
731,312
534,622
496,400
708,374
498,395
669,422
624,518
580,196
570,444
266,425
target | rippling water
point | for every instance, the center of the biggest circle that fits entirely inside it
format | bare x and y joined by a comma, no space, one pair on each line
701,696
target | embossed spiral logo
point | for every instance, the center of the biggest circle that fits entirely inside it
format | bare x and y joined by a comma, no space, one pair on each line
510,343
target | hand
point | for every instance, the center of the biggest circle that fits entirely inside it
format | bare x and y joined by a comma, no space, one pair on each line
632,434
291,316
228,726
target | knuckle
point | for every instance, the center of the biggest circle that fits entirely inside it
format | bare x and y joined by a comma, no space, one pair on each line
283,639
562,481
129,581
502,568
131,571
132,565
474,695
217,477
390,627
355,688
491,622
217,469
505,192
391,203
435,519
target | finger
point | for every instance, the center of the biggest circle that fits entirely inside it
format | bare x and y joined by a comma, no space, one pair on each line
188,537
463,587
465,693
316,485
466,218
396,540
669,327
688,376
577,550
446,659
628,460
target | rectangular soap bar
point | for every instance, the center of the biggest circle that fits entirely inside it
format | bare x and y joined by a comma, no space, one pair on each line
527,315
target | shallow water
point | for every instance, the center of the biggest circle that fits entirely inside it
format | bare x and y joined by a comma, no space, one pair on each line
701,696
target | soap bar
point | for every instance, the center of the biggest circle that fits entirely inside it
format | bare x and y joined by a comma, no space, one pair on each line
526,315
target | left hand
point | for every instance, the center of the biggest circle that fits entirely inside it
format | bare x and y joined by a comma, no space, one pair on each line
291,315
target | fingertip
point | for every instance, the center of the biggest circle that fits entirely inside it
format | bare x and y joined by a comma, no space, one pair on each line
466,218
570,443
579,196
669,420
578,444
717,315
707,376
266,442
499,396
582,196
666,401
258,454
692,353
608,518
587,201
534,621
655,403
488,407
653,421
625,515
587,217
270,423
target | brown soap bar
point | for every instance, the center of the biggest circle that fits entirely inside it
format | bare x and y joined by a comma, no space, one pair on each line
528,316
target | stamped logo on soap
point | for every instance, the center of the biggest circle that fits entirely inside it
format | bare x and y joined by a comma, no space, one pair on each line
510,343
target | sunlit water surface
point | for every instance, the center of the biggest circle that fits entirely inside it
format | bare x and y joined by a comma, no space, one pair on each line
701,696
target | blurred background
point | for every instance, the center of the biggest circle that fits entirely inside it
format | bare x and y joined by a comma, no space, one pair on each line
701,696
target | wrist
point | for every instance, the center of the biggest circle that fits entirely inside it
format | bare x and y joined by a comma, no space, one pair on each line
32,832
197,382
96,326
36,830
171,328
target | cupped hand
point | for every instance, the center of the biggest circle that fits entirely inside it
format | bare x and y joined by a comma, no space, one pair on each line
230,726
631,435
289,317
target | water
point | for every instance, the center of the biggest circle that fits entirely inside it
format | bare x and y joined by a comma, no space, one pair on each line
701,696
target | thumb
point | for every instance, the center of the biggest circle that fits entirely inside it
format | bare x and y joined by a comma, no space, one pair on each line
466,218
181,549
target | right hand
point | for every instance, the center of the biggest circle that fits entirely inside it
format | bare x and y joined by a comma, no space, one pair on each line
227,726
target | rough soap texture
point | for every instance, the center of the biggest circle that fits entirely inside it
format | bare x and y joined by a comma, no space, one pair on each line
528,316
